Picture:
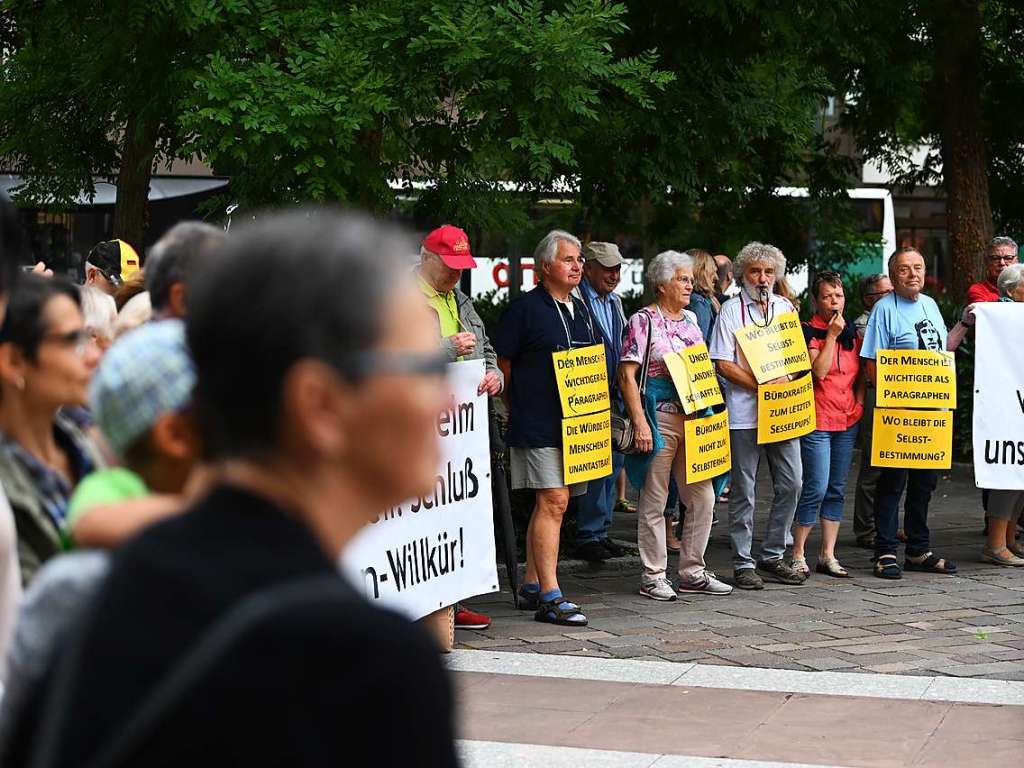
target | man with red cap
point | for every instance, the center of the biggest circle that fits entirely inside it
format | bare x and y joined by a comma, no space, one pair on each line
444,253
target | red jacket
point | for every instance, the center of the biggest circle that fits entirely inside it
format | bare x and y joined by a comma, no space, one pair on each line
835,400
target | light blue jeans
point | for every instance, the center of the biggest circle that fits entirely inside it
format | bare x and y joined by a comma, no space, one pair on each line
826,457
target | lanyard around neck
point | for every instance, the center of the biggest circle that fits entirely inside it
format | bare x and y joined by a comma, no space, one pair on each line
565,326
669,333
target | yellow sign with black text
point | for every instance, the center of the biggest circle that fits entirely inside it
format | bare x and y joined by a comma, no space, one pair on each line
776,349
694,376
915,379
707,447
582,378
785,410
908,439
587,447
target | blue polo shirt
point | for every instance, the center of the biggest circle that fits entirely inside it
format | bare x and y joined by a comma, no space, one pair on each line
534,326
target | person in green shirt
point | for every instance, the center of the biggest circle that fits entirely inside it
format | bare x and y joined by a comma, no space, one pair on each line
140,398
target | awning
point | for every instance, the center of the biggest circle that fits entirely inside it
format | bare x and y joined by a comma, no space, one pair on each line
160,188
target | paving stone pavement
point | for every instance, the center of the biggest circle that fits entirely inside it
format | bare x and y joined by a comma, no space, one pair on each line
968,625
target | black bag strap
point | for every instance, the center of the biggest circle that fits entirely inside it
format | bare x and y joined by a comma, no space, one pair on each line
647,354
188,673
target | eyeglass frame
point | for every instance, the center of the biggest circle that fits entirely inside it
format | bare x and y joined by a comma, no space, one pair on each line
79,339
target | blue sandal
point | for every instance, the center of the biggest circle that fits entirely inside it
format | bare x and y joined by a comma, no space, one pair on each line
886,567
560,611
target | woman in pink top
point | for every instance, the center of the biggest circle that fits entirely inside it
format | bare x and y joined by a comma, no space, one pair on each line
839,403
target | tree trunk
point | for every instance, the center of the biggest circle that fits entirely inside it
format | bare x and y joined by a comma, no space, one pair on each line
957,31
131,208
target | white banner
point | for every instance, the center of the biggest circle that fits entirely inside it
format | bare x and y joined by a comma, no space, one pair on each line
431,552
999,396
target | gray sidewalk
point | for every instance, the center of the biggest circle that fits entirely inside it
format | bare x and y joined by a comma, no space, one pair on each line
969,625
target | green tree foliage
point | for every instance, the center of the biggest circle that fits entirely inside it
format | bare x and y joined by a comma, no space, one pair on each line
90,87
949,75
479,99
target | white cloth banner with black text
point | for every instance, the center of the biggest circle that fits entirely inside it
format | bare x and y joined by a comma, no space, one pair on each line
999,396
431,552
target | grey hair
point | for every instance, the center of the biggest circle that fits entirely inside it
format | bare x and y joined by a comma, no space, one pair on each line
99,311
870,281
177,256
547,248
755,252
1011,277
663,268
996,242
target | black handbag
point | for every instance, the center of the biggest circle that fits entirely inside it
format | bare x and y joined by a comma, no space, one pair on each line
623,431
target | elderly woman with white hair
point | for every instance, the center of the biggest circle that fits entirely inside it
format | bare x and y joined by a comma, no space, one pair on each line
545,320
756,269
1005,507
663,327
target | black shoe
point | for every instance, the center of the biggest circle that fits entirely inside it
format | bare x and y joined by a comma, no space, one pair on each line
592,552
613,548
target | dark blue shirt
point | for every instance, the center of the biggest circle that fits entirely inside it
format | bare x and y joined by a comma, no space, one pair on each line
534,326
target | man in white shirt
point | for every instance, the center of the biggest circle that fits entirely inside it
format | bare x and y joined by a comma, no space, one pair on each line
756,268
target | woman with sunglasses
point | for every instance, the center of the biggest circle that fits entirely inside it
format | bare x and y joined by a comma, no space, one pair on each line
826,453
47,358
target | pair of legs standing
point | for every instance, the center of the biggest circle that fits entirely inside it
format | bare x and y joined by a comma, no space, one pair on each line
787,479
826,459
699,499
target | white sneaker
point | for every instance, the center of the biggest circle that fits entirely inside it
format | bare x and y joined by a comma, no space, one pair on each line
708,585
659,589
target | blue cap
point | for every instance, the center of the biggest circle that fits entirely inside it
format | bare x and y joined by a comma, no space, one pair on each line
145,374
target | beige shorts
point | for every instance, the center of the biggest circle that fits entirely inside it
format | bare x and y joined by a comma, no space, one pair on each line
539,468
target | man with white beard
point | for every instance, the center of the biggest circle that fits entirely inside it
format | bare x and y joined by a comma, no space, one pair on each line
756,268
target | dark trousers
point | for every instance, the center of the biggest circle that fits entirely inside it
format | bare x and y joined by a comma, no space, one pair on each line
920,484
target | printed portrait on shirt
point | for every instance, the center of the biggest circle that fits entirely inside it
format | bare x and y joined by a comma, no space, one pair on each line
928,336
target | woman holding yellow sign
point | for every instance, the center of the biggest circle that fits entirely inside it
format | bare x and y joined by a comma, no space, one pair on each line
827,452
664,327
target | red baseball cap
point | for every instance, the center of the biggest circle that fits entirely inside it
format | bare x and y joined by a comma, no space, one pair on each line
452,245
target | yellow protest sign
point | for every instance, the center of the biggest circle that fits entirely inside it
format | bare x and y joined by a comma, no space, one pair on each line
587,447
582,378
785,410
915,379
776,349
707,447
694,376
909,439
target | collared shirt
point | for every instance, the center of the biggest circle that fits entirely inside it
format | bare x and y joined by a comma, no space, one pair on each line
602,306
444,304
534,326
899,323
737,312
52,488
982,292
611,320
835,400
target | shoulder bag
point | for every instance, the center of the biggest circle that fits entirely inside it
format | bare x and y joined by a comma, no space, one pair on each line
623,431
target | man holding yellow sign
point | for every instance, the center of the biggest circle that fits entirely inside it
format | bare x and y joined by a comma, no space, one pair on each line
757,324
904,347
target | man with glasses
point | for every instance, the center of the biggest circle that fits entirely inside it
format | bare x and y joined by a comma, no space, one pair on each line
444,253
109,263
1001,253
872,289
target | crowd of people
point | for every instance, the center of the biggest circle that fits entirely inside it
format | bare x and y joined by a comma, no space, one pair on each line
698,298
187,444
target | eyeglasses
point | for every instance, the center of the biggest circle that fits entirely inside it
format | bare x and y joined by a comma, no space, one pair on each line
364,364
879,293
79,340
1007,259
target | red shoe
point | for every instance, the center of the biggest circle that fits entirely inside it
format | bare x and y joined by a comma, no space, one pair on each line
469,620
